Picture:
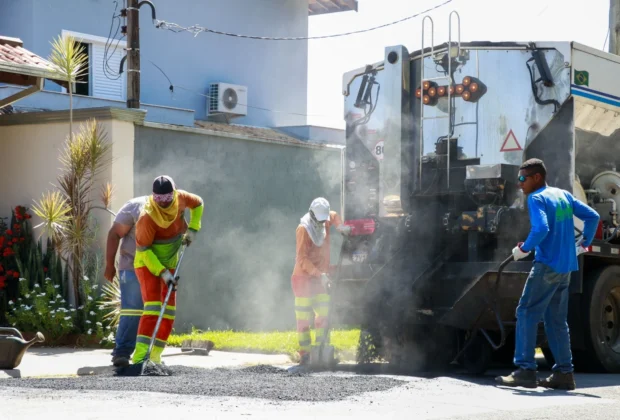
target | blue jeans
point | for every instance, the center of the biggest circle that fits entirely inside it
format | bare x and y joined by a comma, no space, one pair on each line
545,297
131,311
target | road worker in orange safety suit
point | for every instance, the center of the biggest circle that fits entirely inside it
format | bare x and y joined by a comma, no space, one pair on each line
160,231
310,280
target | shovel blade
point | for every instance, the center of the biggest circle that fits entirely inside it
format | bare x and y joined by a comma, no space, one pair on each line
322,358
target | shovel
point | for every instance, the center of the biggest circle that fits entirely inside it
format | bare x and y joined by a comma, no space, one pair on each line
324,356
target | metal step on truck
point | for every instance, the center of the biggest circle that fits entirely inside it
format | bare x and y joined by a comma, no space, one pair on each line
434,141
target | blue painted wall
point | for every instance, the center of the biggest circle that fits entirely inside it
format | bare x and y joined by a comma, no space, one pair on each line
275,72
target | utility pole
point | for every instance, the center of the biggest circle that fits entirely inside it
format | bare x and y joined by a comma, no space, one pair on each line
133,54
614,27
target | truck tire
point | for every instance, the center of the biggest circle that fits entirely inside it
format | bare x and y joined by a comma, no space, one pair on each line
602,322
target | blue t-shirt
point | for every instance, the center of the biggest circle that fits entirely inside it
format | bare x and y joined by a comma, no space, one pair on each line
552,231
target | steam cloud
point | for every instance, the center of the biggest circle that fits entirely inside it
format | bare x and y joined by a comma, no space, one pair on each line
237,274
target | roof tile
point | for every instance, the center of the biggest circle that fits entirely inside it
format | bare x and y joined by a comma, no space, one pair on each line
18,55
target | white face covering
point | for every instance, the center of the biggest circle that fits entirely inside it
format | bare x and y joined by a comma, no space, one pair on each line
315,229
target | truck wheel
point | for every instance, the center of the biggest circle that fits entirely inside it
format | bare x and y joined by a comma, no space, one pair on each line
602,321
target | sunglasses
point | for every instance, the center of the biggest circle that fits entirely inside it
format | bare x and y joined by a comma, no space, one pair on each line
313,217
522,178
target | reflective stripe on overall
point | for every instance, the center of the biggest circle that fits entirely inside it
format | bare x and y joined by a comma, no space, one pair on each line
311,302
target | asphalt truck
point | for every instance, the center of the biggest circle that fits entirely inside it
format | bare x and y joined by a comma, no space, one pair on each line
434,141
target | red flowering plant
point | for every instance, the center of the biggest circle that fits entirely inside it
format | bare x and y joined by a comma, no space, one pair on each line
24,265
15,238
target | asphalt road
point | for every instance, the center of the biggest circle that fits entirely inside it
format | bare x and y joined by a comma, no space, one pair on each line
267,392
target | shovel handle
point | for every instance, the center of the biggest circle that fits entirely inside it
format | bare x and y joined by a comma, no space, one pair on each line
171,288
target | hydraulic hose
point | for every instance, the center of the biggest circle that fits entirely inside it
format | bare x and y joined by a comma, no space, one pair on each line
494,307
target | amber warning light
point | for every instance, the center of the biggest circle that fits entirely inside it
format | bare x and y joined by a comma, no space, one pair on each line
471,89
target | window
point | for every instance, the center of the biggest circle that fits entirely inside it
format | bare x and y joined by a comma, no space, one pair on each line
100,83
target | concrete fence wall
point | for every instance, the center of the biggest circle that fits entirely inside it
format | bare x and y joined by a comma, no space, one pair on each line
237,274
31,145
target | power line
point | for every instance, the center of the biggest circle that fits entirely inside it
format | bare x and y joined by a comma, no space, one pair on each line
107,70
196,29
195,92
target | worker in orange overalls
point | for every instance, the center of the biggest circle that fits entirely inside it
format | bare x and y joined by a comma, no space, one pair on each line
160,231
310,280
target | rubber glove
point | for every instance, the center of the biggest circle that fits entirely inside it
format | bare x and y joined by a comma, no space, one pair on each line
168,277
345,230
580,249
189,236
325,281
517,253
579,246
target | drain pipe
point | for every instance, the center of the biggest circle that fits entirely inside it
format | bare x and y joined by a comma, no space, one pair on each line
614,27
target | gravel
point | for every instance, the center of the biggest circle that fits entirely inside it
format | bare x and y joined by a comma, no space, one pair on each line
262,381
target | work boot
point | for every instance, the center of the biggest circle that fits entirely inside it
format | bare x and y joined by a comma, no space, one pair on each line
165,369
520,377
305,360
120,361
559,380
303,366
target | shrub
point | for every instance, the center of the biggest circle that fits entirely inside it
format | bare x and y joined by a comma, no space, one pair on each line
42,308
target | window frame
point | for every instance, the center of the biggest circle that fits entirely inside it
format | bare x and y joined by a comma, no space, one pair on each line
100,41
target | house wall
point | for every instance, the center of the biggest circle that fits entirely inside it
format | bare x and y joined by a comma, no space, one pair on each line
237,273
316,134
275,72
53,100
30,167
13,15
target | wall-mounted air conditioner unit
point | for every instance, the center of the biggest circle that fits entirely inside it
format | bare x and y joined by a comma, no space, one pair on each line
227,99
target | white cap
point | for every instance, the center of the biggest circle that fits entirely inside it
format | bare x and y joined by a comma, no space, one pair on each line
320,208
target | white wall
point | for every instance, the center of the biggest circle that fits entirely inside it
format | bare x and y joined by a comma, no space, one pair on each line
30,167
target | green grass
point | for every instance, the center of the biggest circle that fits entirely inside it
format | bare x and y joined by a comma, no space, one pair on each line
277,342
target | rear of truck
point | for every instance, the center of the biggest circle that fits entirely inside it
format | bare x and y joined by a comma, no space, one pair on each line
434,143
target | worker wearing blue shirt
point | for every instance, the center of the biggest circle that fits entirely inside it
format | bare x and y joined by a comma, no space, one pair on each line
545,295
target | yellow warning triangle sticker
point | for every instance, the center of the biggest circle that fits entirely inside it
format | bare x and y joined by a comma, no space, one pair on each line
510,143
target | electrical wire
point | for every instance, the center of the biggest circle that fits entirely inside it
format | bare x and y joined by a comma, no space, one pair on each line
195,92
197,29
535,90
107,70
606,38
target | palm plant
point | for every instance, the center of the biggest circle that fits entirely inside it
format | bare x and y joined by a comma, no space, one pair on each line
71,63
66,213
112,302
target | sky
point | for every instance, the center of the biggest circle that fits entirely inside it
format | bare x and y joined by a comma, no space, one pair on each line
586,22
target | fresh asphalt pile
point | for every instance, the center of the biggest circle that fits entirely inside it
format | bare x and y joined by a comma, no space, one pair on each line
261,381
